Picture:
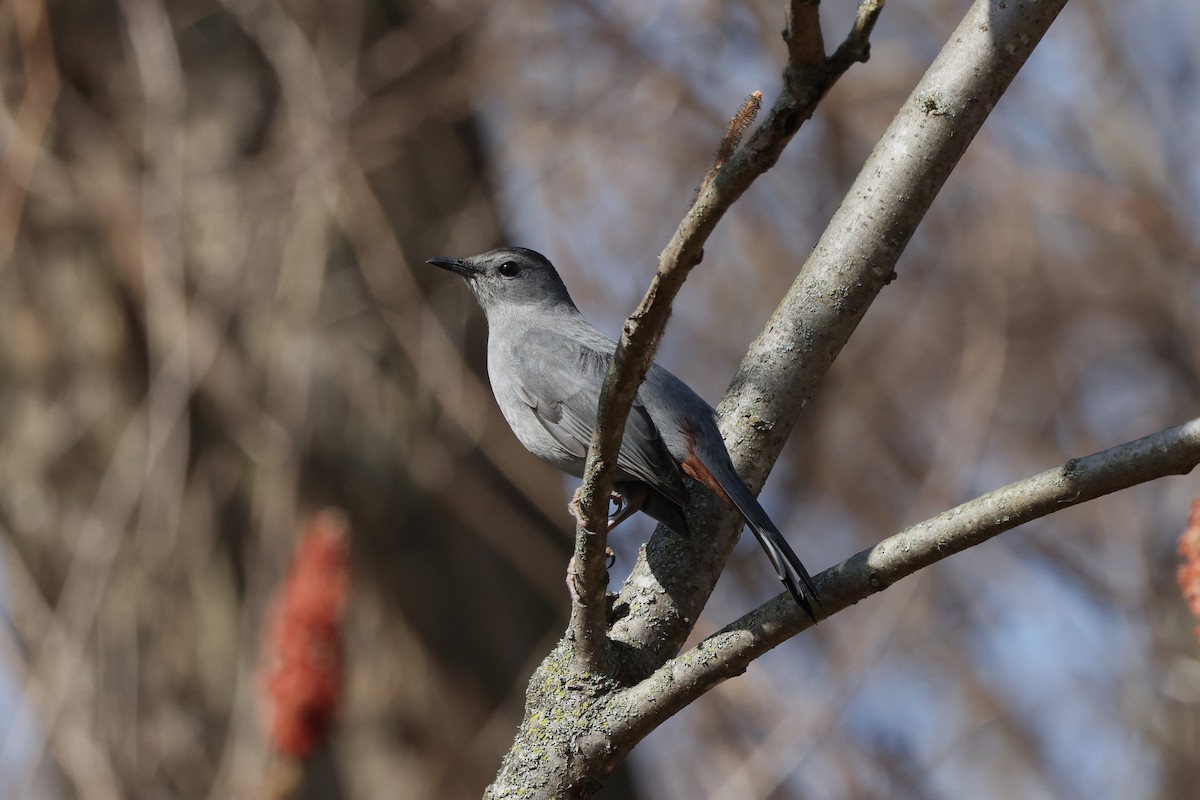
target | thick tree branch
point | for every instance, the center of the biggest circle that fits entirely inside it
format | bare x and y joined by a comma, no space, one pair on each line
851,263
806,80
856,255
1174,451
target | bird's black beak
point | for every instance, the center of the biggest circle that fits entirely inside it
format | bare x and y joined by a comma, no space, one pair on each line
456,265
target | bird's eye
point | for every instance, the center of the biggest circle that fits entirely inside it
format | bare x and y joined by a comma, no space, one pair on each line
509,269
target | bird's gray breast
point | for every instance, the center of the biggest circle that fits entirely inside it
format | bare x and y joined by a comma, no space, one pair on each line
508,367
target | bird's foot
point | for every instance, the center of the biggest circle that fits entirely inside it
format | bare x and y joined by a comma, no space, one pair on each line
573,581
628,503
573,506
620,512
573,587
577,513
630,499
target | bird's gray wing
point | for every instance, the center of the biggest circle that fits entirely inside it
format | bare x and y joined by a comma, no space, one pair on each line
561,382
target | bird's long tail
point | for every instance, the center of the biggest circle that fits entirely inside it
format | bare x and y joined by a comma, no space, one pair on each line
787,565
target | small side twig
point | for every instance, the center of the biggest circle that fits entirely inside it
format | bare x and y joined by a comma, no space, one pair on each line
738,126
857,46
805,44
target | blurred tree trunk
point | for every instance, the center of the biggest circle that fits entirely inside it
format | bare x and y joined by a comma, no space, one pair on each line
209,329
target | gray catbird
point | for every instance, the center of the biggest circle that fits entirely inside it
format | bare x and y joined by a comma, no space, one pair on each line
547,364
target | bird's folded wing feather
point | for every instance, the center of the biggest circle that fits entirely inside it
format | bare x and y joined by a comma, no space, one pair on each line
564,402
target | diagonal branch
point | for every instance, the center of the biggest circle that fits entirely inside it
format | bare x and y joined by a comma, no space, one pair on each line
857,254
806,80
1174,451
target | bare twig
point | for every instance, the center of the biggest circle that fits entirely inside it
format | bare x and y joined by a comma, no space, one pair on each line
857,46
802,90
1174,451
805,44
738,126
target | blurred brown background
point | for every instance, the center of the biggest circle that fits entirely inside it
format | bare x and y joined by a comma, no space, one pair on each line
215,319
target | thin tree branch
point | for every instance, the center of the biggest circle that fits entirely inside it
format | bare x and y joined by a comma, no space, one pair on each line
23,147
806,81
1174,451
738,126
805,44
857,46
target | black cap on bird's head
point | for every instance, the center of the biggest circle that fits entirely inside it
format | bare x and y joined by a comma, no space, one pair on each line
509,278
